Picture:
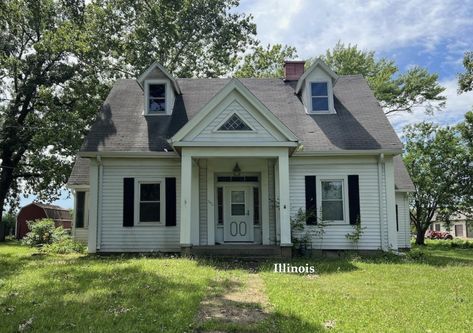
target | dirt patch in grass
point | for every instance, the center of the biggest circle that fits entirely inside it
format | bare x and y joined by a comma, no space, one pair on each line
241,303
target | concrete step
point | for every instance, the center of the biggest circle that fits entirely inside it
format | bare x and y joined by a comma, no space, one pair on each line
238,251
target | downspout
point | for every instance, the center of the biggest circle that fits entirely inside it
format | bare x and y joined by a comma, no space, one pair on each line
381,204
99,201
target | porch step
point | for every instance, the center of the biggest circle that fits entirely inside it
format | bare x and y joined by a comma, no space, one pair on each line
237,251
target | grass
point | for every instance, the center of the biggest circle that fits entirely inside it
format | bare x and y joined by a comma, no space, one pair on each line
429,290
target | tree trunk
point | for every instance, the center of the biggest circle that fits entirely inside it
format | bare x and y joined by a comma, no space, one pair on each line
420,238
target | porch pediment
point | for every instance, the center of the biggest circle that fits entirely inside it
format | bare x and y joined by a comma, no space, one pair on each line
234,116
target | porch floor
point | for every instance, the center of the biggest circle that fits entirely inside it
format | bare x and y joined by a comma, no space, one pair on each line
237,251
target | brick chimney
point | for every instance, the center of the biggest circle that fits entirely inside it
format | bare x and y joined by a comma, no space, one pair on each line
293,69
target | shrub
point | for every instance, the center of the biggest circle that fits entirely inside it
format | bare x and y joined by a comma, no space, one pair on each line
416,254
43,232
64,246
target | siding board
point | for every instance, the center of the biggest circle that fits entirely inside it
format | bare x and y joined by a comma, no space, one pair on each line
334,237
115,237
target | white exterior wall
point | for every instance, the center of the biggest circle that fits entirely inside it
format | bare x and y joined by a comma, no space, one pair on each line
113,236
404,233
367,169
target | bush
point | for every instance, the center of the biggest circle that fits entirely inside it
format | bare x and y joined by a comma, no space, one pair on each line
43,232
416,254
64,246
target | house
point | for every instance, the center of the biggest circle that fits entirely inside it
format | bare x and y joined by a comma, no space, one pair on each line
459,225
36,211
179,164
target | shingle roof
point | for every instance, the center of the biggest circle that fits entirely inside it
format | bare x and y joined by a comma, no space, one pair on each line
80,172
359,124
402,180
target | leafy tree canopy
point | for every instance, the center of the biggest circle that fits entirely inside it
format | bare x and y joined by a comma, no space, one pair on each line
440,167
58,59
396,91
265,62
465,79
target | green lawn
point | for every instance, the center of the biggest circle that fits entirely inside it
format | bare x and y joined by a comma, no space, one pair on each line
428,291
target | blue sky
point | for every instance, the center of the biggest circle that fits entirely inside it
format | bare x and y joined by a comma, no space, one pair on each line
433,34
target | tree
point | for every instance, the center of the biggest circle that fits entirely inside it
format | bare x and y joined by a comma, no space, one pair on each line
265,62
58,59
465,80
396,92
437,161
189,38
9,221
465,84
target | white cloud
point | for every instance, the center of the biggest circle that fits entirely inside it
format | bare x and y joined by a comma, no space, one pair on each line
314,26
457,106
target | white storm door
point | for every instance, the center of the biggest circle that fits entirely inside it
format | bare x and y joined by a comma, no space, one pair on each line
238,220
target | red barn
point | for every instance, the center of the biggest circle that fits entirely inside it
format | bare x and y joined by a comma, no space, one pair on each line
36,211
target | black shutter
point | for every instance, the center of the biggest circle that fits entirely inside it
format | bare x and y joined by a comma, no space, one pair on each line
397,219
354,198
310,200
170,201
128,201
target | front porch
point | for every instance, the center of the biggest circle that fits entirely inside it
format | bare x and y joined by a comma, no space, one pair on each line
235,201
252,251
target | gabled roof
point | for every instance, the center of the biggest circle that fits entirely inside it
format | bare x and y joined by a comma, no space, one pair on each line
54,212
234,85
318,63
359,124
163,70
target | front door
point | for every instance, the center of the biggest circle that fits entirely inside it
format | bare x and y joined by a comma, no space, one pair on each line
238,220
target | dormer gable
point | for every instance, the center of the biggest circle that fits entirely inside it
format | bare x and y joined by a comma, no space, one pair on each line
159,90
315,87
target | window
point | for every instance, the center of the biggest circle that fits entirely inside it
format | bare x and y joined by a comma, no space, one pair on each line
234,123
332,200
238,203
220,205
150,202
156,98
251,179
319,96
437,226
255,205
80,209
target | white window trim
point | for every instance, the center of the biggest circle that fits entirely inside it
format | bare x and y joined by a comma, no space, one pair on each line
167,94
346,211
331,108
218,130
162,198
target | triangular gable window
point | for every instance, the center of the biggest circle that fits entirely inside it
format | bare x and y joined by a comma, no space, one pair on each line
234,123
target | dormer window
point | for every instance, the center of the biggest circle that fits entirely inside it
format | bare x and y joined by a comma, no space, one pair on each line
156,98
319,97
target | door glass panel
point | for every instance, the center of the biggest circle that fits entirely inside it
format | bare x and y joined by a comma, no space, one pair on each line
238,196
238,209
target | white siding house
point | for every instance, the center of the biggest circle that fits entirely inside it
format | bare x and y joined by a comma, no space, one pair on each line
186,164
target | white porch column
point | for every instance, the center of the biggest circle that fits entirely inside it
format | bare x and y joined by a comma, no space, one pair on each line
186,200
284,204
